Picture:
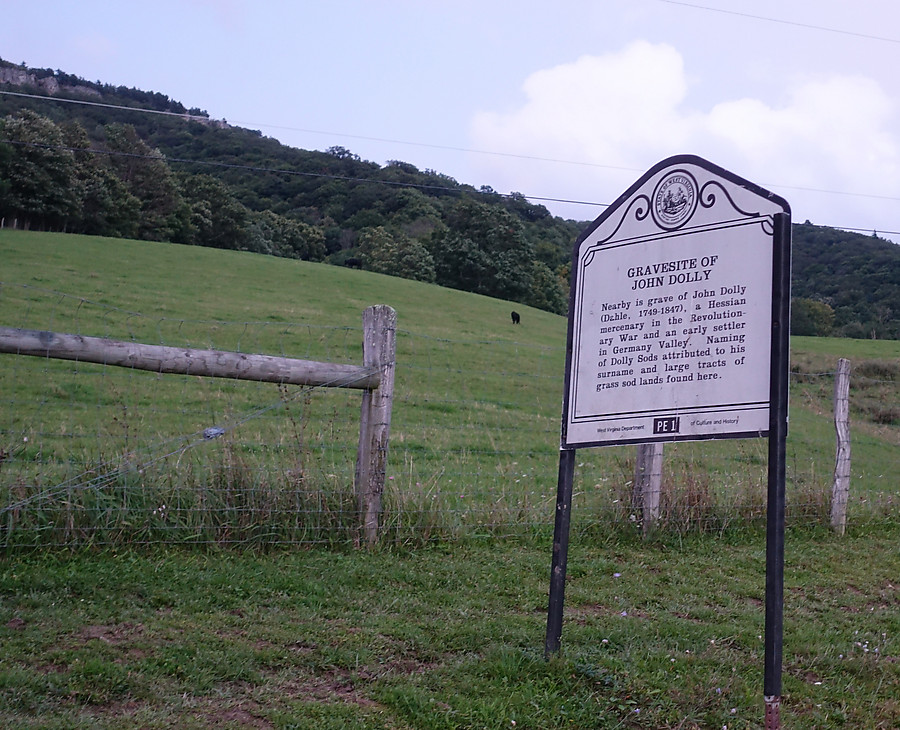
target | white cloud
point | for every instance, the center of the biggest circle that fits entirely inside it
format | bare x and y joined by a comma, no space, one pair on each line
631,108
832,132
603,109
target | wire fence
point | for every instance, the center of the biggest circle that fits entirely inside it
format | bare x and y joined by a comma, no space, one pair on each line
92,454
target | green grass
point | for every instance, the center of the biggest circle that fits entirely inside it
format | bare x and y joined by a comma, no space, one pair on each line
434,629
90,420
656,635
191,283
95,453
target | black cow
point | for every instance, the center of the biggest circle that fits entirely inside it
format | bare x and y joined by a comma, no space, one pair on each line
515,317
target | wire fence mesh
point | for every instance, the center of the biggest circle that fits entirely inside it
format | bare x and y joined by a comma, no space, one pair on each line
97,454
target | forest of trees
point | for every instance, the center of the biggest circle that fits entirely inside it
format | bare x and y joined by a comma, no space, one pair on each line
183,178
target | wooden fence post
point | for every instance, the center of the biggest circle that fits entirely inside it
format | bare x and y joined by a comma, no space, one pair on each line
647,483
379,351
840,488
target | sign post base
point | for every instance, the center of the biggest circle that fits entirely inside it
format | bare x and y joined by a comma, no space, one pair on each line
773,713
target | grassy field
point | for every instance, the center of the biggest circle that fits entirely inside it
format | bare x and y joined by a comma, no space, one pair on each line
86,423
442,627
475,430
662,635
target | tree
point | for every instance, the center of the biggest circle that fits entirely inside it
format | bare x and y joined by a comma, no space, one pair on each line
548,291
484,250
164,214
278,235
395,254
342,153
810,317
217,219
39,171
107,208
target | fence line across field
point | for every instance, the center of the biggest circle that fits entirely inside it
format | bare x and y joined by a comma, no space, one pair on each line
100,454
374,378
648,470
187,361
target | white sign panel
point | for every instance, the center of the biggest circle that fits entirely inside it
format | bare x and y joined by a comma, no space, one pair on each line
670,328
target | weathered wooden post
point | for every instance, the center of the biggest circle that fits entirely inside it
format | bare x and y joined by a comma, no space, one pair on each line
648,483
379,351
840,488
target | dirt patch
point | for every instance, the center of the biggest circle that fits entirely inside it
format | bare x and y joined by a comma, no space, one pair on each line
238,716
115,709
115,635
581,613
409,666
330,687
687,617
302,647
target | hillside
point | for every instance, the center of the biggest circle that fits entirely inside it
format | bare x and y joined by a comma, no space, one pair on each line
176,175
857,276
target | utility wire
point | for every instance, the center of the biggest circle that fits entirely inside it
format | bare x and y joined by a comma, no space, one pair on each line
808,26
249,124
204,119
451,148
84,102
283,171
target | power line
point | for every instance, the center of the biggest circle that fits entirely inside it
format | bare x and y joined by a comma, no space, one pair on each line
796,24
543,199
831,192
285,171
427,145
250,124
449,148
84,102
344,178
582,163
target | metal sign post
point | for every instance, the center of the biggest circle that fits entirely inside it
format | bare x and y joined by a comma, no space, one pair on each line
678,331
778,422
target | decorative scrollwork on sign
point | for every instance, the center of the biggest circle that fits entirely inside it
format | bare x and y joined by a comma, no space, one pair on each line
640,205
708,198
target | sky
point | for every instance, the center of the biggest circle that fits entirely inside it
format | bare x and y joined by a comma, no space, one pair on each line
563,101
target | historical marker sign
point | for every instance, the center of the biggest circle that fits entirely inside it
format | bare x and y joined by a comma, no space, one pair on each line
678,330
670,328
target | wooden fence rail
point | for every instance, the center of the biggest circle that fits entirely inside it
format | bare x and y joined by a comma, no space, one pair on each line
186,361
375,378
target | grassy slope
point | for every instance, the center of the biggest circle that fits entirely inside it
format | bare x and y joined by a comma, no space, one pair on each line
447,637
200,283
190,283
168,284
439,328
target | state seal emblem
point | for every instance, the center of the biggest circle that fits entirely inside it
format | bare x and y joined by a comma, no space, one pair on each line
674,200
